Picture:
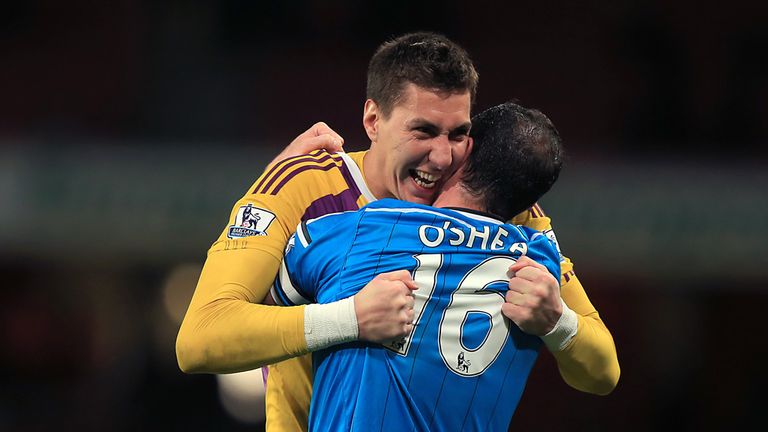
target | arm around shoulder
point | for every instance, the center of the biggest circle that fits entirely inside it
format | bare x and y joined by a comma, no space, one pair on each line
225,329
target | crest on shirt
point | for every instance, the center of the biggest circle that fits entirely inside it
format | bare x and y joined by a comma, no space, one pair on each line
250,221
462,364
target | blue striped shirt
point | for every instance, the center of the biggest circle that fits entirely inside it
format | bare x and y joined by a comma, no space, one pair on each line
464,366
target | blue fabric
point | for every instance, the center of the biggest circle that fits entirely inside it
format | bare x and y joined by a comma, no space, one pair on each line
464,367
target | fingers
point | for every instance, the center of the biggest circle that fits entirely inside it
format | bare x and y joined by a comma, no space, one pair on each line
529,273
532,273
513,312
523,262
521,285
396,275
523,300
324,141
512,297
408,323
403,276
409,302
411,285
321,128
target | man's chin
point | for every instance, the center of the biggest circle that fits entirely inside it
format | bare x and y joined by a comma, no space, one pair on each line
423,201
419,195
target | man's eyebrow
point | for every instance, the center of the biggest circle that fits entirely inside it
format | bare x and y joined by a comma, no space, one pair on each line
425,124
420,123
463,128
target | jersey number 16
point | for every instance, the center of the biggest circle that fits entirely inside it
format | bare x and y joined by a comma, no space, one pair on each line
470,296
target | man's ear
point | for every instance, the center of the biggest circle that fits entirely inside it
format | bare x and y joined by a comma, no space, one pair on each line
371,116
470,146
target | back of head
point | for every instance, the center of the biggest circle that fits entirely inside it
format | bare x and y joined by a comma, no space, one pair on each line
516,158
428,60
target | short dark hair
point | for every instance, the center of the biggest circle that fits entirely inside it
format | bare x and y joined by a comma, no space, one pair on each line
516,158
428,60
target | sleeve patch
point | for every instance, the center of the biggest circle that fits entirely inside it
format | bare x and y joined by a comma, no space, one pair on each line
250,221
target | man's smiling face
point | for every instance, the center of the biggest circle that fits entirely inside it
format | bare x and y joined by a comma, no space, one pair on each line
419,145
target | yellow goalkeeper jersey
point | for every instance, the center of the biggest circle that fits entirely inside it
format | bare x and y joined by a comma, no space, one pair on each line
226,330
294,190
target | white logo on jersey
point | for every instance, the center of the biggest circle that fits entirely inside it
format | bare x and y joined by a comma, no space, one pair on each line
250,221
551,235
291,243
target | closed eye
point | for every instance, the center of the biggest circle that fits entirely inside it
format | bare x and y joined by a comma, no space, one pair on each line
459,134
425,132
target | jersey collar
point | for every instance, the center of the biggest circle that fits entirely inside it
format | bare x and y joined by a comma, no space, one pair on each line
357,176
477,214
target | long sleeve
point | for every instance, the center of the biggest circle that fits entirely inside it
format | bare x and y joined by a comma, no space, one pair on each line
224,329
589,362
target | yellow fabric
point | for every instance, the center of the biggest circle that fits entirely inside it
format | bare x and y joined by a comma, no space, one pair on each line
224,329
589,362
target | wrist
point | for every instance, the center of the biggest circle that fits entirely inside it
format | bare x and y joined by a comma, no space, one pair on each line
330,324
564,330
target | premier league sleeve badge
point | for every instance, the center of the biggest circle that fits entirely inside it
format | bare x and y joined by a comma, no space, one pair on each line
250,221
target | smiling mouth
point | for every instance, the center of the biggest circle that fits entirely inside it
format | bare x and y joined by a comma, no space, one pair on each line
424,179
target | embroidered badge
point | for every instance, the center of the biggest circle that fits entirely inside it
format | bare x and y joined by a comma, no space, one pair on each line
250,221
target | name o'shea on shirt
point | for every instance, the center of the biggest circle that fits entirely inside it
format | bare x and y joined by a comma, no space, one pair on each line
485,238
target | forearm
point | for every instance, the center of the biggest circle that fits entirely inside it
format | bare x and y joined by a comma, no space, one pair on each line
589,361
224,329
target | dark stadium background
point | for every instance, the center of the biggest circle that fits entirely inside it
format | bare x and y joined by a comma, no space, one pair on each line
128,129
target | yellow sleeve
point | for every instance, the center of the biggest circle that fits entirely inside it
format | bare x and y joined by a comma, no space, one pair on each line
224,329
589,362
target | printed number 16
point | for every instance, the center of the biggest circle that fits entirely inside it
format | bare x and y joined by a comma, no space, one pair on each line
470,296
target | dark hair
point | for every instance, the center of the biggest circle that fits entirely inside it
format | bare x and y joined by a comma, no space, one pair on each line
516,158
428,60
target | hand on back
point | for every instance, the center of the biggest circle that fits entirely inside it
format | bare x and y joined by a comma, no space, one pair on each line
533,300
319,136
384,307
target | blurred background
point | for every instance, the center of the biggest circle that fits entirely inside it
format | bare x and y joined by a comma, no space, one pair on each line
128,129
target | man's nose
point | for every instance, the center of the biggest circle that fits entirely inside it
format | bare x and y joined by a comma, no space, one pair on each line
441,155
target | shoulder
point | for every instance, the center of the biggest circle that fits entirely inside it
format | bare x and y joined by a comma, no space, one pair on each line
392,211
294,189
534,217
326,225
317,169
392,205
389,203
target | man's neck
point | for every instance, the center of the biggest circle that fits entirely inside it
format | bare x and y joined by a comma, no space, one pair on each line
454,195
375,181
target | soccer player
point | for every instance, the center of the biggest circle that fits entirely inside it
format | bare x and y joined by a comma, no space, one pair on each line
462,366
420,89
